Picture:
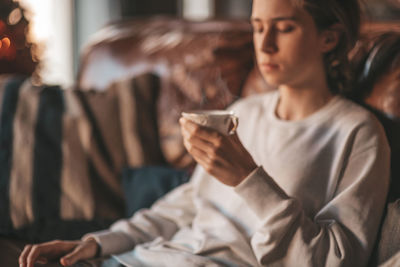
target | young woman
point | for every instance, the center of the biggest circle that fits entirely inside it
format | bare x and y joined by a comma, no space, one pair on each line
302,183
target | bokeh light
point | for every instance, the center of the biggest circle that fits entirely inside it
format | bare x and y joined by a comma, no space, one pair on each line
15,16
5,44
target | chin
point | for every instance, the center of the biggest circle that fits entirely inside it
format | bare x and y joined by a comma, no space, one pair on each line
273,80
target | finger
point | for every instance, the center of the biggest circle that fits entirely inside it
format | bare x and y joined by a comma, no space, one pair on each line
182,120
210,166
23,261
42,260
33,255
200,156
24,255
203,162
202,137
185,123
72,257
194,140
51,250
84,251
203,148
200,131
212,150
187,145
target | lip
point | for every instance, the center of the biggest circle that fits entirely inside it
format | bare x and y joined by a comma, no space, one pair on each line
269,66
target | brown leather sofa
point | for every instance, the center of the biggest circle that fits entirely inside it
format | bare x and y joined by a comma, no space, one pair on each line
209,65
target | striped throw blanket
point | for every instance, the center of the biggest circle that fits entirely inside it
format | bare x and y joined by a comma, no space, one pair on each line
62,153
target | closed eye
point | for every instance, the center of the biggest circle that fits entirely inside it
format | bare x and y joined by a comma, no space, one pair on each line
284,26
286,29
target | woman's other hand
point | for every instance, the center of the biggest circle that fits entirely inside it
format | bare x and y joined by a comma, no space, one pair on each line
222,156
69,252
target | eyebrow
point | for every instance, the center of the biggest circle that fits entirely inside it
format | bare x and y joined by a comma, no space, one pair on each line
293,18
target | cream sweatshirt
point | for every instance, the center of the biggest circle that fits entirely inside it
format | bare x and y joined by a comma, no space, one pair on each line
316,198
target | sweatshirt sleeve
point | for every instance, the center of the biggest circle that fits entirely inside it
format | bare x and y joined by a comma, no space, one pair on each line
343,231
165,217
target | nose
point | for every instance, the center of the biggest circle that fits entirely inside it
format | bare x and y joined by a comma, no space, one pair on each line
268,42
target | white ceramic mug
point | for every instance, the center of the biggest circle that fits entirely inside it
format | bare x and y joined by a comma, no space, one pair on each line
223,121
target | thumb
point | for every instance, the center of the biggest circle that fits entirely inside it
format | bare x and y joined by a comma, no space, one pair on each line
71,258
86,250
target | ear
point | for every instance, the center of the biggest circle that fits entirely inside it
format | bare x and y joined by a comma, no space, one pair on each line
330,38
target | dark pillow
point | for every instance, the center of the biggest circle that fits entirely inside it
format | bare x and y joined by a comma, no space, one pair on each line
143,186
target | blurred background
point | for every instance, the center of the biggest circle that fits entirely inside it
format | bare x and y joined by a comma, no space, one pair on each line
57,30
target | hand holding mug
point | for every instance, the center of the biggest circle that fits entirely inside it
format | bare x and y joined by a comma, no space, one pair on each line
216,147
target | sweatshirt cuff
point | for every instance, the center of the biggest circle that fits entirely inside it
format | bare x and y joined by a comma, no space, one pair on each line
111,242
260,192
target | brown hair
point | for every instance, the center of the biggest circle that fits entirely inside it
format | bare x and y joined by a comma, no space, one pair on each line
347,14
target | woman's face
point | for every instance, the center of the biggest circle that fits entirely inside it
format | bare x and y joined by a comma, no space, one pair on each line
288,46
